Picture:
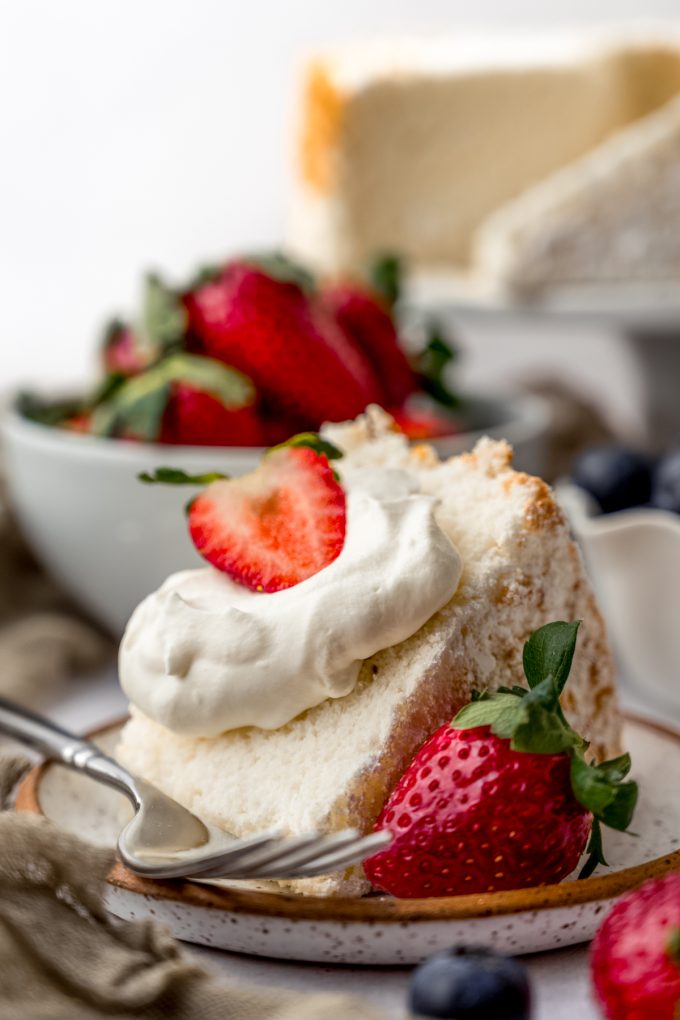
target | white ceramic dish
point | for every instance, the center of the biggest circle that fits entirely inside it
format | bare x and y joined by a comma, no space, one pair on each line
630,304
380,929
109,540
633,559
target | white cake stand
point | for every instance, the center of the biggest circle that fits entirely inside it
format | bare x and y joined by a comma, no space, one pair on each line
647,317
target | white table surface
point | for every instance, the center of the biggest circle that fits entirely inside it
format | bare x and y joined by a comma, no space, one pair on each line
559,979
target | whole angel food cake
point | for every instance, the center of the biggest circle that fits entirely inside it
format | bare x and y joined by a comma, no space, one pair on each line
414,146
609,216
350,608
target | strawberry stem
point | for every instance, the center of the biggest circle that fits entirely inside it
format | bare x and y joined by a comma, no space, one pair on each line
175,476
314,441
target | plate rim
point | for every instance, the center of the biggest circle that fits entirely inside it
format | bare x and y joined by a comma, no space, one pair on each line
378,909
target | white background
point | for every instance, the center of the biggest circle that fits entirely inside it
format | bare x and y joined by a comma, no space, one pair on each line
157,133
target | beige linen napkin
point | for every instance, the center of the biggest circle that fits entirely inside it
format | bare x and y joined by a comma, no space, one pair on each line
62,956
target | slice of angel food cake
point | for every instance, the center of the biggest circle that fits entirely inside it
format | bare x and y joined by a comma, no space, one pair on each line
349,609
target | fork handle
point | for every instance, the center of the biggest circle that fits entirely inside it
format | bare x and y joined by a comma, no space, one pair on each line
58,744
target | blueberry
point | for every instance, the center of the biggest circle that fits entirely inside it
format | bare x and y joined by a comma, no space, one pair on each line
617,478
469,983
666,483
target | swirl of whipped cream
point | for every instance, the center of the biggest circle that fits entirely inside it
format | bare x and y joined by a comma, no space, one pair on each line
203,655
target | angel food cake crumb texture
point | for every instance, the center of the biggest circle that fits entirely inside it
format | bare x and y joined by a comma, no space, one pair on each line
335,765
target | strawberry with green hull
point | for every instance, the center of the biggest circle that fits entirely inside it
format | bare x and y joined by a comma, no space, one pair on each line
196,418
126,350
503,798
635,956
310,355
282,338
275,527
186,400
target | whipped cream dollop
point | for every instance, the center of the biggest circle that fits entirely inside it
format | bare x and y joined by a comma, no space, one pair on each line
203,654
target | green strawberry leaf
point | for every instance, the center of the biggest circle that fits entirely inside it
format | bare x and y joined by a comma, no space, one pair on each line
233,389
502,712
519,692
616,770
49,412
542,730
385,278
204,274
549,652
137,406
314,441
283,268
175,476
163,321
600,788
431,365
595,851
674,946
109,385
136,409
529,719
56,412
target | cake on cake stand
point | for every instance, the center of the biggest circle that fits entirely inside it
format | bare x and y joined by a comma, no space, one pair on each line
646,316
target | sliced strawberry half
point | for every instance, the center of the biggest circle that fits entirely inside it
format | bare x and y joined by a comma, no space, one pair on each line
273,528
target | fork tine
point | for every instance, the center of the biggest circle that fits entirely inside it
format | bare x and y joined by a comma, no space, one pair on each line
351,854
290,857
255,863
265,856
324,854
179,866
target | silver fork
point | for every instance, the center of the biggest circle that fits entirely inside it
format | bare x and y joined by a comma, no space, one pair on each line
164,840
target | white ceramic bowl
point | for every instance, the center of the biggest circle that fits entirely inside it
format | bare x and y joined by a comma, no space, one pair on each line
110,540
633,559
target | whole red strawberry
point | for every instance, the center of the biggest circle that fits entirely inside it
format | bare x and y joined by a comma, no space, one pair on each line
280,336
503,797
635,957
366,318
195,418
472,815
184,399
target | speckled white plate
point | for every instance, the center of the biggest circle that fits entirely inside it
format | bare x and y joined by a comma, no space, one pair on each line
381,929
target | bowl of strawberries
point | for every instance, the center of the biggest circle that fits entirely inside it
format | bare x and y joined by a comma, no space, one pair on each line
205,378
